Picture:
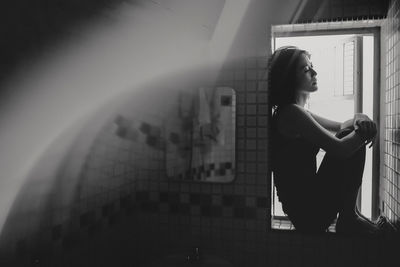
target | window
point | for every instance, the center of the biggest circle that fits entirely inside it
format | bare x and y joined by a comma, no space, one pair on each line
347,65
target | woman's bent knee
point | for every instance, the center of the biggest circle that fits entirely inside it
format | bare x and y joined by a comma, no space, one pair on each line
343,132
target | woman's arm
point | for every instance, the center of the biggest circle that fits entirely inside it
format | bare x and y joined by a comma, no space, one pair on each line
330,125
295,120
347,124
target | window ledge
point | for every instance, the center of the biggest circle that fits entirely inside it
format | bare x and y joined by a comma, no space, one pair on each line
283,223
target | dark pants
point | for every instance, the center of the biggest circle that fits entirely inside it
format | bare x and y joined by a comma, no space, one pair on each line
333,191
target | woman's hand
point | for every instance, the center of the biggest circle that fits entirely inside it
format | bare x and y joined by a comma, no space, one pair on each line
360,117
364,126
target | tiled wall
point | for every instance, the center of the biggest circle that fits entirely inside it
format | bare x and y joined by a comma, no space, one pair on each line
390,173
200,135
220,217
124,177
315,10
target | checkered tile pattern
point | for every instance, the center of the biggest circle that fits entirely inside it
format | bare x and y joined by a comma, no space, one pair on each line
141,132
203,204
174,203
390,143
206,171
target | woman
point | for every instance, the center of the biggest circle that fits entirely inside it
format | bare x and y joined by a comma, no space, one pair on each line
313,198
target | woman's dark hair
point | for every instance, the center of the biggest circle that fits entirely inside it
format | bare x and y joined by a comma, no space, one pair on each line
282,75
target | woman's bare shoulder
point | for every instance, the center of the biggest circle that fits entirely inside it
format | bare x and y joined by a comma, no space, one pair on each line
288,117
291,111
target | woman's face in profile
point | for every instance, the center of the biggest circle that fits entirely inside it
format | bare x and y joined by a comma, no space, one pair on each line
306,75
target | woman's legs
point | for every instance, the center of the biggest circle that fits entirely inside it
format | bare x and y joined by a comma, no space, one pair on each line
343,178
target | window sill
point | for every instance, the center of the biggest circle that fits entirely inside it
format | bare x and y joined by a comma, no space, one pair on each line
283,223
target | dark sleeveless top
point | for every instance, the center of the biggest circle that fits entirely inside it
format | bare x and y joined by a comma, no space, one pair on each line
293,165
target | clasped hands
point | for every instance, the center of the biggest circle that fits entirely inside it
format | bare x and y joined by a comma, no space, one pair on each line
365,127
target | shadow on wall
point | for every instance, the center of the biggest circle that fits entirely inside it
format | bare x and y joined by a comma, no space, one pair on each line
50,188
103,168
38,24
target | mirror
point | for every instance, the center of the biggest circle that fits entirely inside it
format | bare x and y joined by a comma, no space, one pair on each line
201,136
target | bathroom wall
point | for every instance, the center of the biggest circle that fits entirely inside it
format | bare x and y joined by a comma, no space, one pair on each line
122,183
390,148
201,135
29,29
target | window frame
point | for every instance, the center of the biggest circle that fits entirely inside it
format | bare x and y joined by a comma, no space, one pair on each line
369,27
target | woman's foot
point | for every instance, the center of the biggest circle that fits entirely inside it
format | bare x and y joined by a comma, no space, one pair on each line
361,216
356,225
388,228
